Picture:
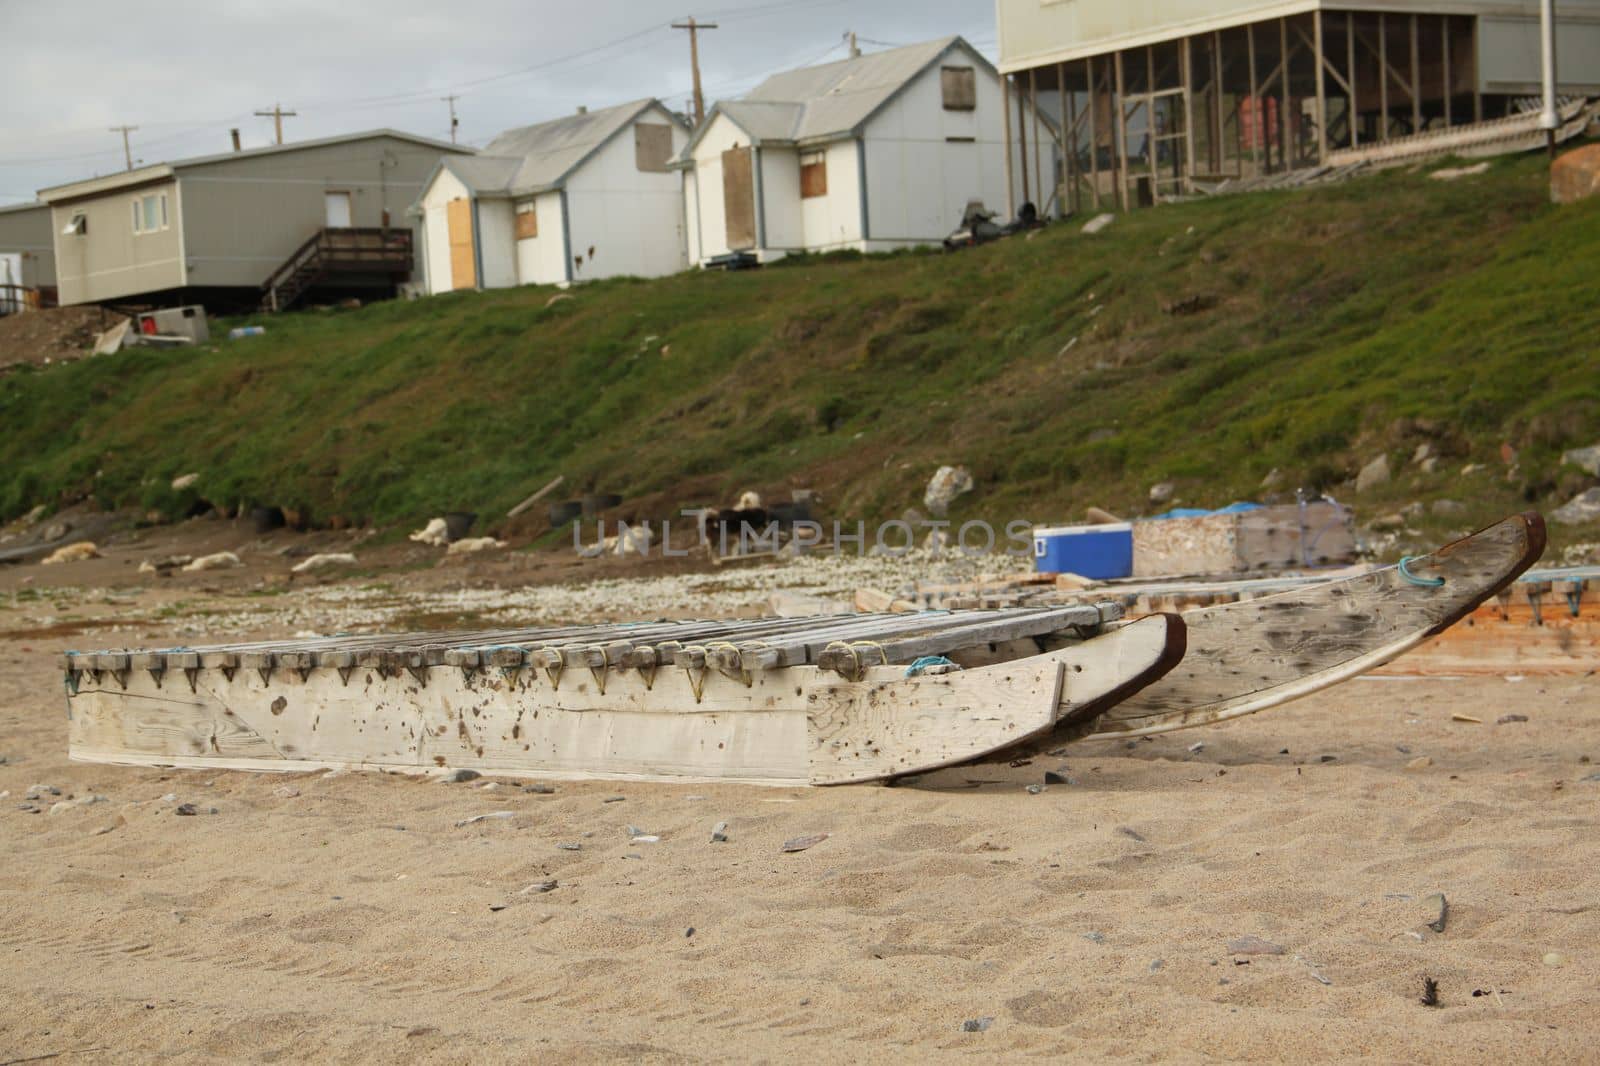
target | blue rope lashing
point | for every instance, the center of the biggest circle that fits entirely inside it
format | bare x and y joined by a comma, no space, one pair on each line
926,661
1425,582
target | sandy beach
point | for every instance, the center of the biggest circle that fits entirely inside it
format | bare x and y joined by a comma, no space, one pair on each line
350,916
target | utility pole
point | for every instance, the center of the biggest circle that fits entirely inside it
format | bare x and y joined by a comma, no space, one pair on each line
694,29
1549,121
855,49
277,115
127,152
454,122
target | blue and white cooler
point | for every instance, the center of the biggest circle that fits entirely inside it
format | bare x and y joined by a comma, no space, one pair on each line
1099,552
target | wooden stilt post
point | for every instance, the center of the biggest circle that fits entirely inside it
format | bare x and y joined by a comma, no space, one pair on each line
1416,78
1069,139
1022,141
1322,88
1152,146
1383,76
1216,101
1283,93
1444,37
1351,109
1477,97
1120,117
1005,112
1094,129
1038,146
1258,119
1186,72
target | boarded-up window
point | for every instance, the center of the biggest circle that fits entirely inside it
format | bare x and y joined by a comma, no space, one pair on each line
463,262
652,146
960,88
739,199
527,224
813,174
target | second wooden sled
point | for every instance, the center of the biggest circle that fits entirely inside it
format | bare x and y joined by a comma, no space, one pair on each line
554,703
1248,656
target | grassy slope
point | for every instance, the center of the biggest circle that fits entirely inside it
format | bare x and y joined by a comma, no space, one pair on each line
1339,313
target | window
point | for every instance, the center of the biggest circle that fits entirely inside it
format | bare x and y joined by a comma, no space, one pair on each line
813,174
77,226
652,147
960,88
150,213
527,223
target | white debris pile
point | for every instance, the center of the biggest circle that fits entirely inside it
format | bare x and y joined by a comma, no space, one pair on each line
435,533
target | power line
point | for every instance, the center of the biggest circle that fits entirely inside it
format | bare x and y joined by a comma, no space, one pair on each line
455,123
694,29
337,104
127,152
277,114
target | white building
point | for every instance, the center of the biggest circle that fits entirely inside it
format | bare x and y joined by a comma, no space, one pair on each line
871,153
587,196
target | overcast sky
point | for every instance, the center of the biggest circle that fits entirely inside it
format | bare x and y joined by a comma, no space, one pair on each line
186,71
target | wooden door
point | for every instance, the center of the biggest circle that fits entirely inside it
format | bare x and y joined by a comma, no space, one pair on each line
739,198
463,264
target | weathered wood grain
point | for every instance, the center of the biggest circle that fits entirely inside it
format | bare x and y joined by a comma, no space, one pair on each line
880,728
390,709
1245,657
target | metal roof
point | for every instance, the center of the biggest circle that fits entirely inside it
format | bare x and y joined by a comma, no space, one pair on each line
831,101
156,171
538,157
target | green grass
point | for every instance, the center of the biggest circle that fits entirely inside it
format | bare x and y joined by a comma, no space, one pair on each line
1348,321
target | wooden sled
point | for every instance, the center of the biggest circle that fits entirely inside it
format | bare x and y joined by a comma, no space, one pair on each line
1245,657
775,701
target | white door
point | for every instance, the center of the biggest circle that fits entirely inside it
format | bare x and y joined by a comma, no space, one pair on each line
337,209
10,282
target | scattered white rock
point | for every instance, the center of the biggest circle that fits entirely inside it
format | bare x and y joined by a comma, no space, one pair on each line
323,559
1452,173
433,533
1098,223
476,818
947,483
286,792
1162,491
1588,459
72,553
183,481
59,807
214,561
719,833
1584,507
1372,475
468,545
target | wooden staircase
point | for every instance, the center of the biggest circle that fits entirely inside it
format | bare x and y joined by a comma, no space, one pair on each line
348,253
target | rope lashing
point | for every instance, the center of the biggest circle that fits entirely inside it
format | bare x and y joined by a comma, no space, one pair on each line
926,661
1424,582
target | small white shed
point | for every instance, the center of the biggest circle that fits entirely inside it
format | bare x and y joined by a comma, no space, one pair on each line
870,153
583,197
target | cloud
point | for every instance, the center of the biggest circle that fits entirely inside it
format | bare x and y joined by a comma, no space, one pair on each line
187,72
